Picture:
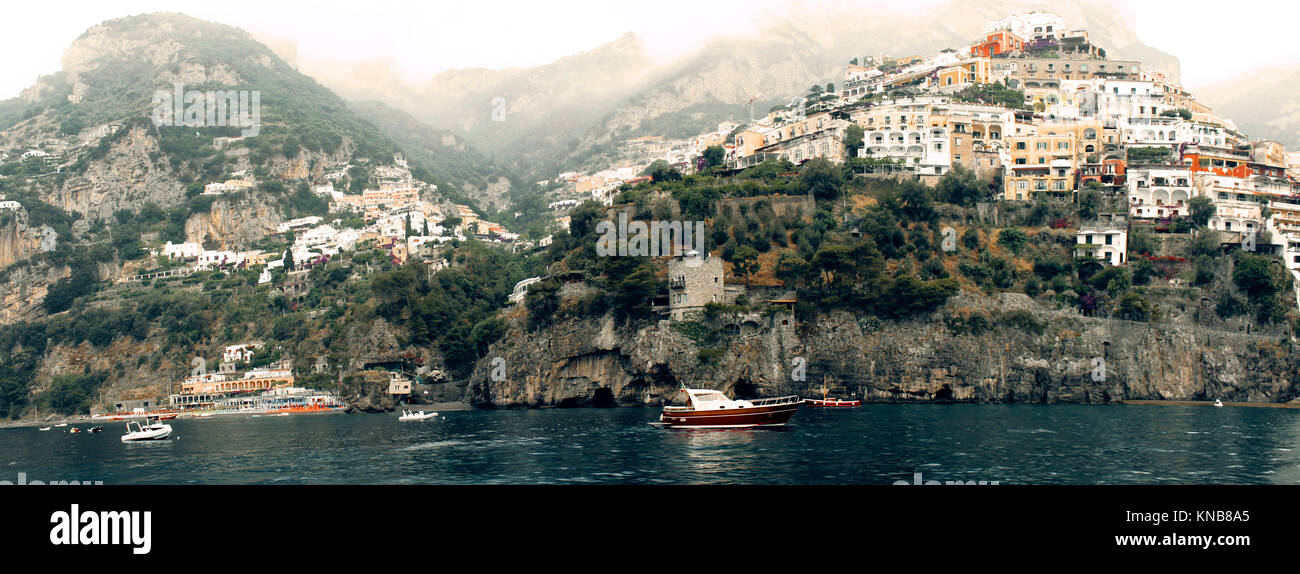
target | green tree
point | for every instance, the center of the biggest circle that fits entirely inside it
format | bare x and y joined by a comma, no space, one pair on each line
959,186
1202,208
1133,307
853,138
822,179
1089,204
746,261
660,171
1260,276
714,155
791,269
1014,239
542,300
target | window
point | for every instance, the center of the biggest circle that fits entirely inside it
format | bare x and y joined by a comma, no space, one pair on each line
1020,145
1108,238
1022,185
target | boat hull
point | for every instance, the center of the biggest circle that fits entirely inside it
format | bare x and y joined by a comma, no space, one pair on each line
762,416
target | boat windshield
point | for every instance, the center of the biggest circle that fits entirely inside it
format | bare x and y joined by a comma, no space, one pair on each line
707,397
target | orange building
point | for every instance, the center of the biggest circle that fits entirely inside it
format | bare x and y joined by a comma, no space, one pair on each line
1111,171
996,43
1218,161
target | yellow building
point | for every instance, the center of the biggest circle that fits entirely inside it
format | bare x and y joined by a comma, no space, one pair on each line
1041,162
972,71
754,138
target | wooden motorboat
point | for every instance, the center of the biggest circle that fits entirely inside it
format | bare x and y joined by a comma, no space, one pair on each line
712,409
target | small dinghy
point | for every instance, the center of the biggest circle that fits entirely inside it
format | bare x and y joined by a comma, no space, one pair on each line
420,416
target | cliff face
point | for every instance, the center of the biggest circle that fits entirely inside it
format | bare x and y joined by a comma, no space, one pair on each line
1073,359
131,174
233,225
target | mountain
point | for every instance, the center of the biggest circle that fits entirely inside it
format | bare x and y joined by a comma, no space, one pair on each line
461,172
517,114
111,76
115,170
564,114
1263,104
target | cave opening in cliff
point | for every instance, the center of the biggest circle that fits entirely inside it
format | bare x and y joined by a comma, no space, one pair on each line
744,389
603,398
944,394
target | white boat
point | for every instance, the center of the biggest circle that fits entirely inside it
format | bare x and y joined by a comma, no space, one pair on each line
420,416
1218,403
61,425
155,431
45,428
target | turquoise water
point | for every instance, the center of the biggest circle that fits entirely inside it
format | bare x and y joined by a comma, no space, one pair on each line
874,444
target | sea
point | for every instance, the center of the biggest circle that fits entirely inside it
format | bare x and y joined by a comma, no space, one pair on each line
876,444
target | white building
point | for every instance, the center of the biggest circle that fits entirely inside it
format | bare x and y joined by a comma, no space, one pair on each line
315,236
236,353
901,131
182,250
1107,244
229,186
1032,25
346,240
297,223
521,289
211,258
1159,192
10,206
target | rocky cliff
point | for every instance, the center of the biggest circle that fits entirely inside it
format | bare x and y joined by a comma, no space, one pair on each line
1063,358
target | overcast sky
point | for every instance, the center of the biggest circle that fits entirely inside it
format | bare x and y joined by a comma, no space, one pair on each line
422,38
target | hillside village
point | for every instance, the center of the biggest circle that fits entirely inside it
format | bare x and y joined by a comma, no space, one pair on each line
1059,155
1033,105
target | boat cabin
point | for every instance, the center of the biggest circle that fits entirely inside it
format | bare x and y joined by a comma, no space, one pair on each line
711,400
